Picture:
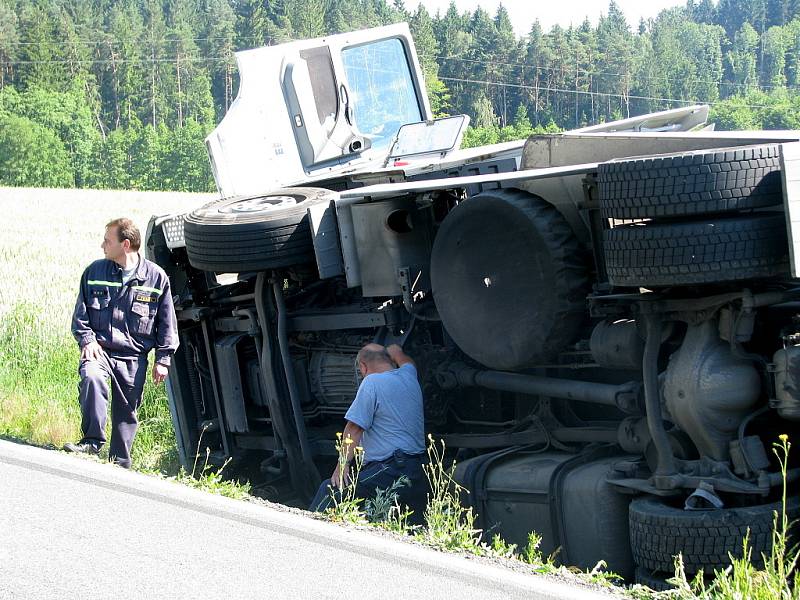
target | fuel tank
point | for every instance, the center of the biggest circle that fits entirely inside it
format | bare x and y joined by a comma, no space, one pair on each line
563,497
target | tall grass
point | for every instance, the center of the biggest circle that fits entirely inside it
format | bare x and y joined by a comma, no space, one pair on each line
47,238
38,380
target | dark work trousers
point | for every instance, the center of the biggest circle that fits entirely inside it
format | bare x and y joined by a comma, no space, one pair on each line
127,375
380,475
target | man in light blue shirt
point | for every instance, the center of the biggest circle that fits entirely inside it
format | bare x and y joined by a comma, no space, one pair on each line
386,419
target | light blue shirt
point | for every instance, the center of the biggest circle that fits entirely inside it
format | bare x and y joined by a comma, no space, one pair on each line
388,407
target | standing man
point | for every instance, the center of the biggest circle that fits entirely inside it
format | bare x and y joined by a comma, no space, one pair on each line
124,310
386,419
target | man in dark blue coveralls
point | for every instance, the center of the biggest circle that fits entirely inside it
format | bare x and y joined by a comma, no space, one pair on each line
387,420
124,310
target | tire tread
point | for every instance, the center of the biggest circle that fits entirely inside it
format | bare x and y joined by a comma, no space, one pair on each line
696,183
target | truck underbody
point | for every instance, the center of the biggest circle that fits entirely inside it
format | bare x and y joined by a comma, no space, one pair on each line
606,329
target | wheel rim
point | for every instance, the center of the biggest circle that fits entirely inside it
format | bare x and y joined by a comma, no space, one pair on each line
261,204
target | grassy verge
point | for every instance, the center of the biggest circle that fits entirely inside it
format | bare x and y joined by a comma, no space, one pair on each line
38,380
38,403
39,400
448,524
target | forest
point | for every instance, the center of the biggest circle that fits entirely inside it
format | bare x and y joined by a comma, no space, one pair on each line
120,94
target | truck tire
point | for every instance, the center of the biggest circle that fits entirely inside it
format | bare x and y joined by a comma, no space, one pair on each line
696,183
692,252
655,580
253,233
659,532
509,279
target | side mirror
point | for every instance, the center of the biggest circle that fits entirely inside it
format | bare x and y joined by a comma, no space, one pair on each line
437,137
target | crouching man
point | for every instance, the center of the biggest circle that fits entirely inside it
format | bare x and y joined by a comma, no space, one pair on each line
386,420
124,310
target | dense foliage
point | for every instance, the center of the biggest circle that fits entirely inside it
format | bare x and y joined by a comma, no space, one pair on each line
120,94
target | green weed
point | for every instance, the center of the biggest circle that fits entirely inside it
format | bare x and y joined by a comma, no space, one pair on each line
209,479
448,524
346,506
379,508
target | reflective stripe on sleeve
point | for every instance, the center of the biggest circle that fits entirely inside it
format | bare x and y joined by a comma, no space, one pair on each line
99,282
141,288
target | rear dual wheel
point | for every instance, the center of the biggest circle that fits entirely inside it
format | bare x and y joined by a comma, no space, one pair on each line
698,251
696,223
705,539
703,182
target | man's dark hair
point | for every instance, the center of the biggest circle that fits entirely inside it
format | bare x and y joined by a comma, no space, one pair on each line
127,231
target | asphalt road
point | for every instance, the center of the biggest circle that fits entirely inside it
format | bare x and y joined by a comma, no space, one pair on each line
74,528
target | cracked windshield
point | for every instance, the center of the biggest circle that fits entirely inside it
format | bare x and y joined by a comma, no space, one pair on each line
381,88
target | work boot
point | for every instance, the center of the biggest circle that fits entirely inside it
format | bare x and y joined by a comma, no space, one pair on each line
120,462
81,448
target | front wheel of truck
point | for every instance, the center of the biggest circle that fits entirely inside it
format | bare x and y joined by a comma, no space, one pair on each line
254,233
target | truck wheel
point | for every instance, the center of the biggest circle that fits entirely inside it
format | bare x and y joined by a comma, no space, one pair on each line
655,580
253,233
705,538
509,279
692,252
695,183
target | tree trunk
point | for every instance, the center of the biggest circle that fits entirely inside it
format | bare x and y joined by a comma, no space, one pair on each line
180,101
153,83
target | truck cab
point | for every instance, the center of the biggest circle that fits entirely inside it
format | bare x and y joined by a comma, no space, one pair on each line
311,108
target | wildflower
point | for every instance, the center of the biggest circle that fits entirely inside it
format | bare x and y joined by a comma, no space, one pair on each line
783,437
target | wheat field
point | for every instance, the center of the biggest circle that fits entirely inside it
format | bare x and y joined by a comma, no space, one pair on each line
47,237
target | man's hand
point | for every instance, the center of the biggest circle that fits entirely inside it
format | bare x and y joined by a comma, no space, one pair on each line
399,357
91,351
337,481
351,438
159,373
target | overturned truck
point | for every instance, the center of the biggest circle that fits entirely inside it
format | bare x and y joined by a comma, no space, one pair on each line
606,321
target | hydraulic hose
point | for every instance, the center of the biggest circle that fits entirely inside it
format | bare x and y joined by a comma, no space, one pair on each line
291,382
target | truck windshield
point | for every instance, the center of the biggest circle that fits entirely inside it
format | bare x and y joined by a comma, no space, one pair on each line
381,88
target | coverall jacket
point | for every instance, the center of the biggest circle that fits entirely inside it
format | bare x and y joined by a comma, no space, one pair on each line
127,320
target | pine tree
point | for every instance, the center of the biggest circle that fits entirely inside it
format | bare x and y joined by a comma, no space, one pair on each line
156,49
125,96
307,17
615,46
503,43
773,70
42,61
421,26
219,32
9,41
742,60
